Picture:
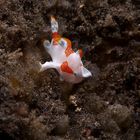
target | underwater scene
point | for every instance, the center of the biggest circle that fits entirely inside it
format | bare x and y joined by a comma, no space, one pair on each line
69,70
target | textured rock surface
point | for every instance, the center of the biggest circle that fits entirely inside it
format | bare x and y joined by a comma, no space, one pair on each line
37,106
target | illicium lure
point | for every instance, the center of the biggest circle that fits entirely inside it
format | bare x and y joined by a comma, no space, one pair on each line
67,62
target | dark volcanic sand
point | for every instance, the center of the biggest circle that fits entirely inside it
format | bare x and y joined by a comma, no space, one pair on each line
37,106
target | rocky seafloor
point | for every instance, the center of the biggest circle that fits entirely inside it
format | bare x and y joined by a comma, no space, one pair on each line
37,106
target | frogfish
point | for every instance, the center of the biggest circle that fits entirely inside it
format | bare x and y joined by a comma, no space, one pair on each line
67,62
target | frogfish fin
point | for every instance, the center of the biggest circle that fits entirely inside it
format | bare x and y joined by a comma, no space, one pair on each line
80,52
86,72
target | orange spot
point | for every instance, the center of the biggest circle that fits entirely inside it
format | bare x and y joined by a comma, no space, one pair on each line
56,37
68,42
68,50
66,68
80,53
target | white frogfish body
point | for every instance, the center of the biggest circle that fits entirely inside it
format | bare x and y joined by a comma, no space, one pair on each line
67,62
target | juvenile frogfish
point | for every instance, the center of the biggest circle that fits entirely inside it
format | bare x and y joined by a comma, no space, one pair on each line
67,62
